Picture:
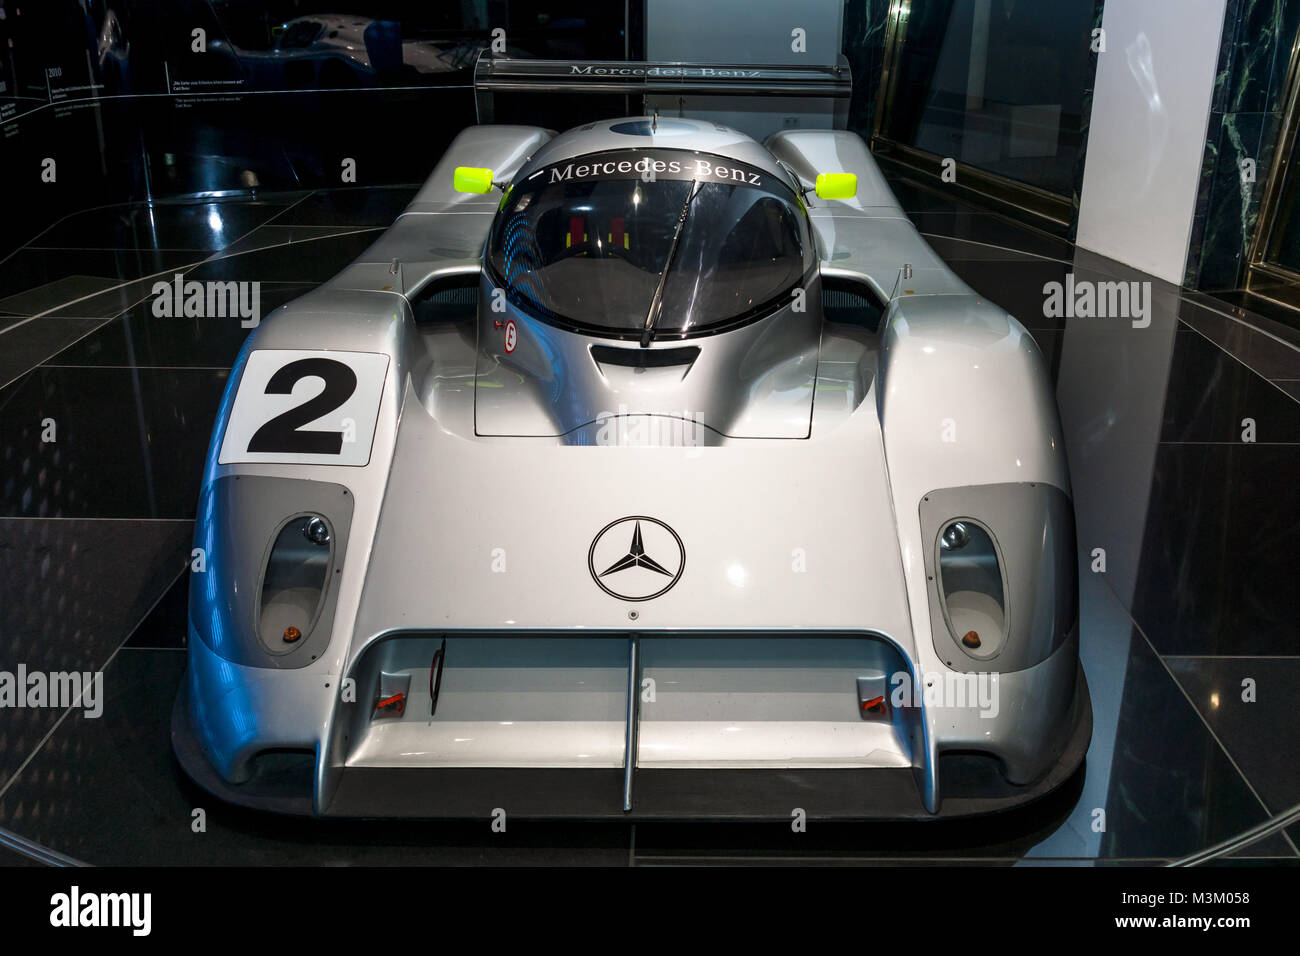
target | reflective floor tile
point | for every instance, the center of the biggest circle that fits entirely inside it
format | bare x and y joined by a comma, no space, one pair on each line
1217,570
25,346
1210,395
109,791
70,592
308,261
140,338
1261,734
127,443
33,281
350,207
199,225
1269,355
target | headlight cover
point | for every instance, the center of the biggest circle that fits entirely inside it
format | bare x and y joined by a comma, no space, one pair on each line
293,584
1000,560
268,567
972,594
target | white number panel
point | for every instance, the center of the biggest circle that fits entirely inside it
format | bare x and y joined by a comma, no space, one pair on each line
305,407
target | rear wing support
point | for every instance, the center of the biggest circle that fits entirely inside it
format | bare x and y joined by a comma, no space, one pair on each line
494,74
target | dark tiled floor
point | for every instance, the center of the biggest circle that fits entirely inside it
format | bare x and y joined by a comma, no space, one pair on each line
140,338
173,226
937,210
1266,314
1195,522
1015,284
276,235
129,442
108,790
165,627
120,296
955,250
1217,573
12,858
1166,762
31,343
352,208
1151,804
54,293
1211,393
1244,700
311,260
988,230
1271,356
33,281
69,591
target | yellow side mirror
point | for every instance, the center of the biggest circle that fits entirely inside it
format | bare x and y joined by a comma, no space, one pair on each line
472,179
837,185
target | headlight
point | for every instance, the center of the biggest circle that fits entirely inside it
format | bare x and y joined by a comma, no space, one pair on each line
1000,566
294,582
275,549
970,589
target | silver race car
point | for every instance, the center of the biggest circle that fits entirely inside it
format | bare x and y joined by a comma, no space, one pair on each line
642,470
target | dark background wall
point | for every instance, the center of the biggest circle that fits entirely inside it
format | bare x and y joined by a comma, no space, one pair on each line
865,25
1245,120
114,93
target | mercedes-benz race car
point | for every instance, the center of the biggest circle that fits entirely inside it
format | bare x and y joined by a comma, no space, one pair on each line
644,470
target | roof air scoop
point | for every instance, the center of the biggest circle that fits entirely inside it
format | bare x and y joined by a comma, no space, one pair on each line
619,363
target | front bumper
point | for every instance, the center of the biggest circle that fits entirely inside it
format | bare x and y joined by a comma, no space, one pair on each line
969,785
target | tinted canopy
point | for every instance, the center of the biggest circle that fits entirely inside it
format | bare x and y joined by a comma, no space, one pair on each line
672,241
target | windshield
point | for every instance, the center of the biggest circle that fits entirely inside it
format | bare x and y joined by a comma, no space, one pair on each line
638,243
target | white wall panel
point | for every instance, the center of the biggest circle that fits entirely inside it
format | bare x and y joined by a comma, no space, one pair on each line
1149,115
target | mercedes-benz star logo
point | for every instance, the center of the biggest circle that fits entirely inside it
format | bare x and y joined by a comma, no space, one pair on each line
643,569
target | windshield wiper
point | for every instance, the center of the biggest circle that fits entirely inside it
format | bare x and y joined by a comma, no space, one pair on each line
657,302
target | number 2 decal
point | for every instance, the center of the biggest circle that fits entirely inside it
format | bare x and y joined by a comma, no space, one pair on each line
297,406
281,433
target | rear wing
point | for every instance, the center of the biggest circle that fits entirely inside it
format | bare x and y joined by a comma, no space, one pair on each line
495,74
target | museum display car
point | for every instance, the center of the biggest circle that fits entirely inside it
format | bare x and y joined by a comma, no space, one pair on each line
643,470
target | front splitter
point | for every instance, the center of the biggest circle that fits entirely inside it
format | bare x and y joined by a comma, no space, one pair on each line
566,794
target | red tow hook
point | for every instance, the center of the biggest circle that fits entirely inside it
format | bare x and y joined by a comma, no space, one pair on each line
397,702
875,705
